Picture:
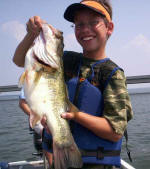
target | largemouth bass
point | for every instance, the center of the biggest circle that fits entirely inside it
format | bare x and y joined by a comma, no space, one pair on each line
46,94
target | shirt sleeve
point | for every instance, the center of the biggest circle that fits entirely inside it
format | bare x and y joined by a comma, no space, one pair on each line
22,96
117,105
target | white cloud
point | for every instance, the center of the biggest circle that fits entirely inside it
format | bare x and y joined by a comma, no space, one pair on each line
71,43
140,42
16,29
133,56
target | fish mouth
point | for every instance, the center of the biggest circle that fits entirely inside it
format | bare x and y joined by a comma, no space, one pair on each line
45,49
40,61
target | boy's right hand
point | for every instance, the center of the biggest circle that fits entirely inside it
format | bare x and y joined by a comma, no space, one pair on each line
44,124
34,25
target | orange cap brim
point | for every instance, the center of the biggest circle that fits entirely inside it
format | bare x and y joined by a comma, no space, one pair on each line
98,7
70,11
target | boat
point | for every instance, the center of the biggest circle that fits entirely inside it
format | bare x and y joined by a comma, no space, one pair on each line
42,162
39,164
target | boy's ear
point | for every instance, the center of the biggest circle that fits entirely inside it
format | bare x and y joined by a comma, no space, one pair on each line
110,27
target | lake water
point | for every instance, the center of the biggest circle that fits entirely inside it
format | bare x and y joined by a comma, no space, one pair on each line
16,143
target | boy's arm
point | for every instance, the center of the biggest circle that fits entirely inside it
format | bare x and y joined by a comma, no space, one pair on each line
24,106
21,50
98,125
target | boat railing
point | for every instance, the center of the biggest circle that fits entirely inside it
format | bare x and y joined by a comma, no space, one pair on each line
39,165
130,80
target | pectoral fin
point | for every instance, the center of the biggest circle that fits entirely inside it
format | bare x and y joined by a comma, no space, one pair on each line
21,79
37,77
72,107
34,119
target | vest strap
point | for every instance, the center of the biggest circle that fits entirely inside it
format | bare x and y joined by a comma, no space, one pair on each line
75,100
100,153
128,150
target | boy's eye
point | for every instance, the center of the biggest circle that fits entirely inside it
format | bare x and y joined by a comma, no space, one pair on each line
91,24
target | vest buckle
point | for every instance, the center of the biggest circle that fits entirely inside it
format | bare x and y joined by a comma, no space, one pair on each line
100,153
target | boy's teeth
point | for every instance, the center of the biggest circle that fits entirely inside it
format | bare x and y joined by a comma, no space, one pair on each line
87,38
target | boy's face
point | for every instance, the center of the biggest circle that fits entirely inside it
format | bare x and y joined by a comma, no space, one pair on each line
91,31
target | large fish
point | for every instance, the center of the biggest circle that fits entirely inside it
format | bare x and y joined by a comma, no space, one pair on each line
46,94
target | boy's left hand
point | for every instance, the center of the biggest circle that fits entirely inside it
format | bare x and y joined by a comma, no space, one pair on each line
72,113
68,115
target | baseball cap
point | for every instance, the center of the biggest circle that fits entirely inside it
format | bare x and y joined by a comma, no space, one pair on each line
94,5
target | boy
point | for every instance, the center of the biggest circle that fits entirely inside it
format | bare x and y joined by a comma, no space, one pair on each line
96,85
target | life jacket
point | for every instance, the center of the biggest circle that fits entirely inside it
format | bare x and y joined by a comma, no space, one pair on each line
88,98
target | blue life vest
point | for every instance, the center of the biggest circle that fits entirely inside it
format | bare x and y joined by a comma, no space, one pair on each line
90,100
4,165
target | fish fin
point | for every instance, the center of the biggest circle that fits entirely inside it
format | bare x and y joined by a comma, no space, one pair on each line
48,68
21,79
37,76
72,107
65,157
66,91
34,119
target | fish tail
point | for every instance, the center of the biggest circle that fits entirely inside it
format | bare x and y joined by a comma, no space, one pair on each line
65,157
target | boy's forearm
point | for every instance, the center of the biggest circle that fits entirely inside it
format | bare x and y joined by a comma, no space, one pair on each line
21,50
98,125
24,106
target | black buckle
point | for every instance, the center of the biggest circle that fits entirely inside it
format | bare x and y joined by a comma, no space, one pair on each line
100,153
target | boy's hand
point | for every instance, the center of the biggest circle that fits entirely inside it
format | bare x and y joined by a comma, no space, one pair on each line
72,113
34,25
68,115
44,124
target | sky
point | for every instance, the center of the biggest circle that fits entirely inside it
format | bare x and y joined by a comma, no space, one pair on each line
129,45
